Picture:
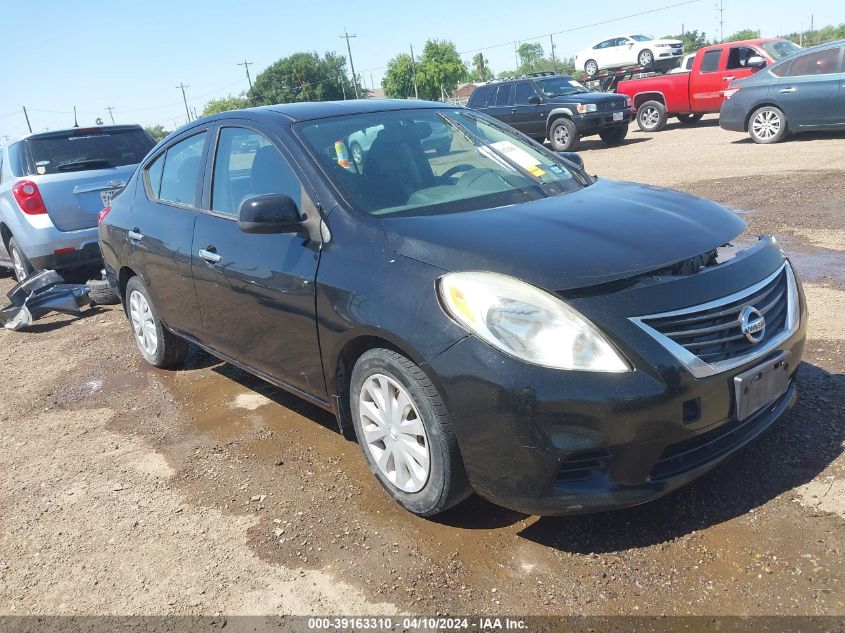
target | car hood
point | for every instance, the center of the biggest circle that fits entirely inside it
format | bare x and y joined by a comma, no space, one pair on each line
585,97
602,233
662,42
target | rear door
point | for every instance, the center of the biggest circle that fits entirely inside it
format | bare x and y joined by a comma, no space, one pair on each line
707,82
500,104
78,171
162,228
812,90
529,118
256,291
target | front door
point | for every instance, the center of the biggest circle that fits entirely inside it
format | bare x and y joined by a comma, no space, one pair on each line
529,118
708,82
256,291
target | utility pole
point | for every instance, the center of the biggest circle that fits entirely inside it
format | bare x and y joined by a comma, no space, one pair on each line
554,61
414,73
372,82
346,36
27,119
342,81
75,120
185,99
721,10
246,66
515,57
110,108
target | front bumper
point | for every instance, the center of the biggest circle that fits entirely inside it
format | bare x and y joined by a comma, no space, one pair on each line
595,122
543,441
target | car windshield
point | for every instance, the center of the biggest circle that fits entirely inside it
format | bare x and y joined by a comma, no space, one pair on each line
560,86
82,149
779,49
640,38
427,161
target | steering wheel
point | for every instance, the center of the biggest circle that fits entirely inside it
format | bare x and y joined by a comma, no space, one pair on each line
456,169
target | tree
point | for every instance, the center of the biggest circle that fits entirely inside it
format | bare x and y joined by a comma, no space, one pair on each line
216,106
440,69
304,77
693,40
398,80
829,33
157,132
529,54
480,67
744,34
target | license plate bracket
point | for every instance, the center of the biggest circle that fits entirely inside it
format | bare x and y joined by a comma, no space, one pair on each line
106,196
757,387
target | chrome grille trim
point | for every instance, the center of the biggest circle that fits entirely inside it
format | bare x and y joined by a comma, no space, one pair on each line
700,368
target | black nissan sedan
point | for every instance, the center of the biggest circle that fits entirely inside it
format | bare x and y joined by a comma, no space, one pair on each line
490,319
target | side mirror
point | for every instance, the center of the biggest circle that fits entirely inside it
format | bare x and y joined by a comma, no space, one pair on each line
534,100
756,62
269,213
573,157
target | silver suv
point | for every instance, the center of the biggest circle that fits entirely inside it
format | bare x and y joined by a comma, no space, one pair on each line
53,186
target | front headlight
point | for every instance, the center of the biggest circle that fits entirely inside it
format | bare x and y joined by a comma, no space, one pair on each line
526,322
585,107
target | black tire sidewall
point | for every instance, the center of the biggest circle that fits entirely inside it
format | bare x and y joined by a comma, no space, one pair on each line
14,246
661,122
589,74
352,149
430,498
614,135
100,291
574,137
777,137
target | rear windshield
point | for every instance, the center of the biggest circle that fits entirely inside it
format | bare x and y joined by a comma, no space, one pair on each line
779,49
82,150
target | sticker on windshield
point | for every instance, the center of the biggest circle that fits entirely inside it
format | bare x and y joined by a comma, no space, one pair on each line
519,156
577,84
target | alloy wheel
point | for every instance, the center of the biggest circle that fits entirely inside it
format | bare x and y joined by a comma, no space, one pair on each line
645,58
357,155
649,117
394,434
143,323
17,261
591,69
561,136
766,124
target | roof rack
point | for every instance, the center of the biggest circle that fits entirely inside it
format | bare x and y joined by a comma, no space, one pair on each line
545,73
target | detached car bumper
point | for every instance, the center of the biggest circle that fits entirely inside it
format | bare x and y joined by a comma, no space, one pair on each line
544,441
595,122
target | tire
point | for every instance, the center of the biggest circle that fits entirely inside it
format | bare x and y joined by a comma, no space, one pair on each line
169,349
356,154
651,116
689,119
591,68
100,291
429,431
563,135
645,58
614,135
767,125
22,266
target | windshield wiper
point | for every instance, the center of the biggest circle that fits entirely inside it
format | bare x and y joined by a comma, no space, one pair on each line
88,162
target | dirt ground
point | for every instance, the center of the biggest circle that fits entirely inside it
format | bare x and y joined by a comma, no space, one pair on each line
127,489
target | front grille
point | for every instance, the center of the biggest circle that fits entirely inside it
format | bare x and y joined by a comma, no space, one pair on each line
697,451
583,466
712,334
612,104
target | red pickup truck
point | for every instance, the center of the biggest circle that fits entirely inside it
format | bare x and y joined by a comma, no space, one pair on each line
690,95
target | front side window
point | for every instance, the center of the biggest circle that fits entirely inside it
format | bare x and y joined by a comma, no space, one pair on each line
402,173
180,173
247,164
738,57
710,63
824,62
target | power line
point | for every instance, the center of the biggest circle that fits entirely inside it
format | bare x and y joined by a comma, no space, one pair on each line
346,36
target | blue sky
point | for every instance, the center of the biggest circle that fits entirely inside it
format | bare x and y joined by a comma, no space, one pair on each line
133,55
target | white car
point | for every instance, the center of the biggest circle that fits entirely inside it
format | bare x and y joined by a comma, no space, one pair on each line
685,66
626,50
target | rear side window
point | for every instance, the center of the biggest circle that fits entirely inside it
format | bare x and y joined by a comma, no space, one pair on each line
85,149
710,62
480,96
154,175
821,63
13,152
180,171
503,97
524,91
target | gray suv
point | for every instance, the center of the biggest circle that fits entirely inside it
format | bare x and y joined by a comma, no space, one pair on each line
53,186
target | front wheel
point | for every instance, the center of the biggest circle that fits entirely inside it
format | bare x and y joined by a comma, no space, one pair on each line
563,135
645,58
651,116
406,433
157,344
767,125
614,135
689,119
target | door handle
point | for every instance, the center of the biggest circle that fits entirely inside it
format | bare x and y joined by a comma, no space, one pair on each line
729,78
209,256
787,89
135,235
513,110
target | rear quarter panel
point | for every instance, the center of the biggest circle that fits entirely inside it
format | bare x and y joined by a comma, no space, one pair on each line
672,90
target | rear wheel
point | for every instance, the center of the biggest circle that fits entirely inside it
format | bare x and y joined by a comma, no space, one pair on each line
591,68
157,344
614,135
22,267
767,125
651,116
688,119
563,135
405,433
357,154
100,291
